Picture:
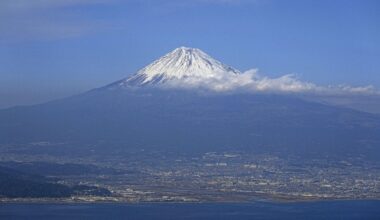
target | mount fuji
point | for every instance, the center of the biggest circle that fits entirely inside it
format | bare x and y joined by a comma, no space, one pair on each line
181,65
136,113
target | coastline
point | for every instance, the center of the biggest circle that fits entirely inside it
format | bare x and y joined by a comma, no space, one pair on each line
282,200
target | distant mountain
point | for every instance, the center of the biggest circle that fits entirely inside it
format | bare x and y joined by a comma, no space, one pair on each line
138,113
181,64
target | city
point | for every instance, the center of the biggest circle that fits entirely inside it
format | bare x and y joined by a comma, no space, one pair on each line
155,176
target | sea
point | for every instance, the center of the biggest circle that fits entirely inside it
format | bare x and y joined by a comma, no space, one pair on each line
321,210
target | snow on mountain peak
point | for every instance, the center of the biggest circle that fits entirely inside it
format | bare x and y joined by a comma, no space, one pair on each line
182,63
191,68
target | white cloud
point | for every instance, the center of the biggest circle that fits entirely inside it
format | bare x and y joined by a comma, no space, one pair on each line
252,81
359,90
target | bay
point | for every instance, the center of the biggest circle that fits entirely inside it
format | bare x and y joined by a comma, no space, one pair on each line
201,211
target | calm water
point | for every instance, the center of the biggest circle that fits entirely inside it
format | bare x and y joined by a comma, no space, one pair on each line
257,210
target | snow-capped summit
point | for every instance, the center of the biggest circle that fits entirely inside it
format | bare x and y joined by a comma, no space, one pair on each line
182,63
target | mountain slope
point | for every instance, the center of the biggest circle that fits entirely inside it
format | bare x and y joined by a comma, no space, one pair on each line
189,121
16,184
138,113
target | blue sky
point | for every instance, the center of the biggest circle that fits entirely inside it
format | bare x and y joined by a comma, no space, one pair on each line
51,49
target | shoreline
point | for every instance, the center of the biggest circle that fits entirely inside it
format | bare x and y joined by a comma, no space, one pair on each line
279,201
